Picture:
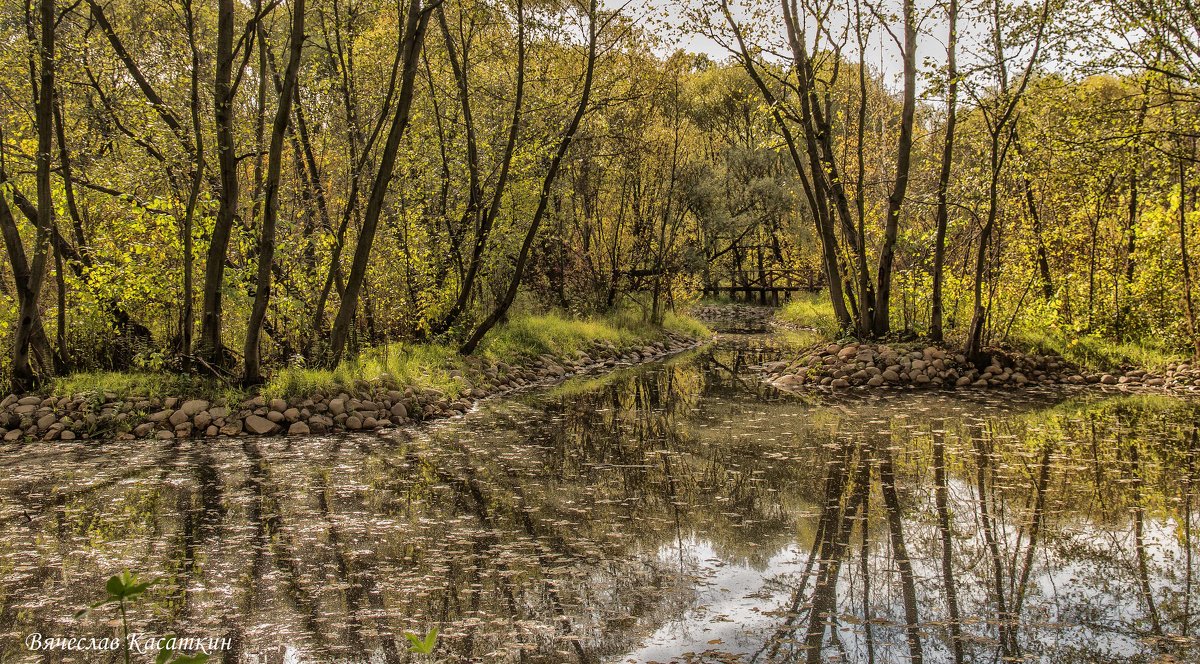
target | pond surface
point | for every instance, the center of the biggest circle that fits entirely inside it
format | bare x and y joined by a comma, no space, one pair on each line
676,512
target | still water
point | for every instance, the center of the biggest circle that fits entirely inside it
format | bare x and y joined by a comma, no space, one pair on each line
676,512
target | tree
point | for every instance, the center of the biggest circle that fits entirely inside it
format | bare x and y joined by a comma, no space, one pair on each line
266,251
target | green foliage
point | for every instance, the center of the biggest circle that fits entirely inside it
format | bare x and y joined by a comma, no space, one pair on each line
680,179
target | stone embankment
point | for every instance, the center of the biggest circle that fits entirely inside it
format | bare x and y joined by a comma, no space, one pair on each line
864,365
362,407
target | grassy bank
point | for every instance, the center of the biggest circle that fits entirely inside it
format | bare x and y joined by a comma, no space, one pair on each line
810,319
426,365
1096,353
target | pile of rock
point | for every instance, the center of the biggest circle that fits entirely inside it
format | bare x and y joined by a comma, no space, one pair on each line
841,366
363,406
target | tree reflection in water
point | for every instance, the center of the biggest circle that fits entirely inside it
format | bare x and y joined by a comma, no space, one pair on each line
679,512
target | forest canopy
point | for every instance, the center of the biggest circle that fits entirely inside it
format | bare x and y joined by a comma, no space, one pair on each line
226,187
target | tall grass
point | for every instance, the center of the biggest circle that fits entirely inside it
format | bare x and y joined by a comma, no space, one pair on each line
144,384
522,337
812,311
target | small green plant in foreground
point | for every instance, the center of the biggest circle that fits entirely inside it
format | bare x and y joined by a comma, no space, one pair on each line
122,590
422,645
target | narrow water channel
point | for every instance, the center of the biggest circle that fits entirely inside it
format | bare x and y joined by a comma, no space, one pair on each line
675,512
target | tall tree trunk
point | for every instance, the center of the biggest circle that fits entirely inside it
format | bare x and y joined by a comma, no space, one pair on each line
883,291
487,218
266,251
29,319
414,38
979,310
942,215
818,202
1003,133
501,309
1189,307
214,267
1043,259
188,322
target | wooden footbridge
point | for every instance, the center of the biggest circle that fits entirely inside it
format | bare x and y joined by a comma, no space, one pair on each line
764,286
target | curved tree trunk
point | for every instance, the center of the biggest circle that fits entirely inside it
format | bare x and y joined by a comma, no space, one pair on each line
414,38
266,252
564,144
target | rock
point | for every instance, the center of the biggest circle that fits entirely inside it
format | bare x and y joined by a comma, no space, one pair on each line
839,383
212,430
159,416
192,407
353,422
202,419
46,421
259,425
890,376
142,429
1108,379
398,410
278,405
164,434
15,434
29,401
275,416
232,428
298,429
875,381
337,406
291,414
178,417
